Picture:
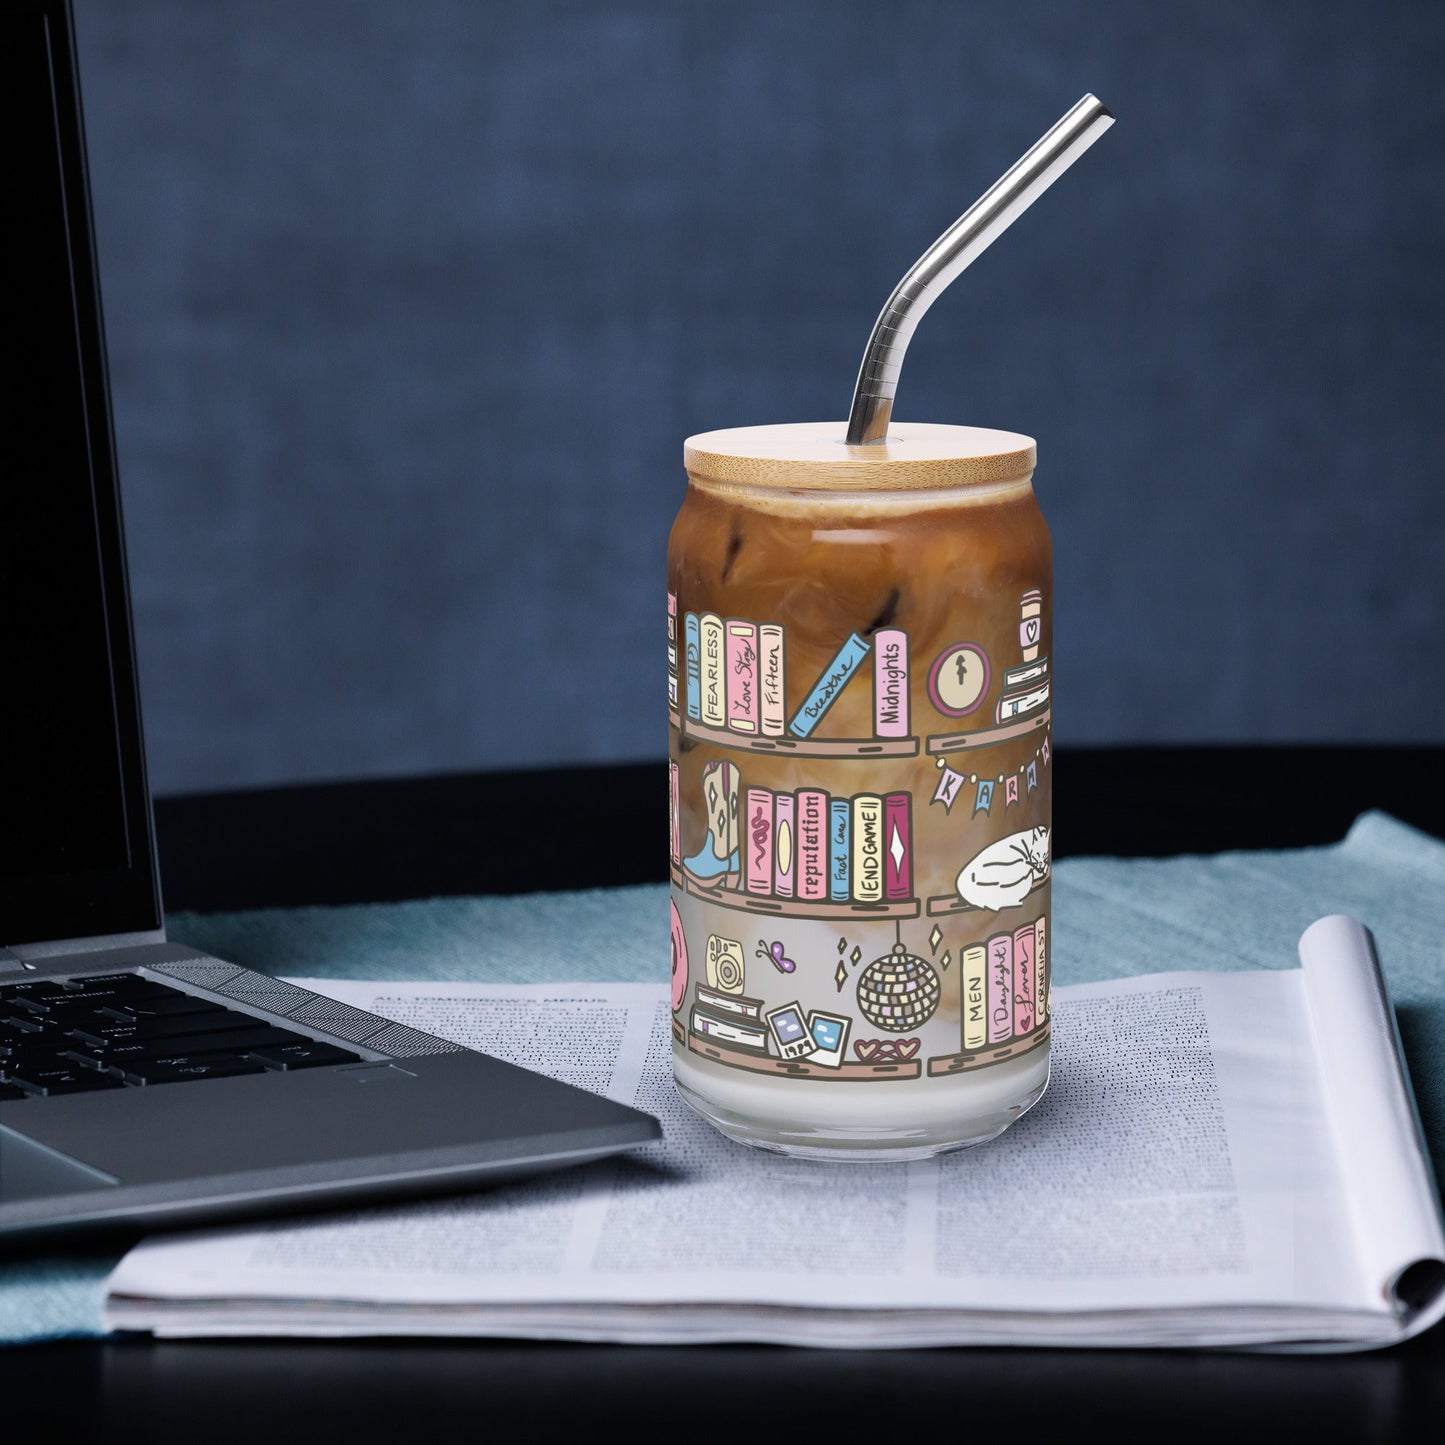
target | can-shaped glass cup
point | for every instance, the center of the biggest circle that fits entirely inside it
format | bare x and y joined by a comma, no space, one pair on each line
860,696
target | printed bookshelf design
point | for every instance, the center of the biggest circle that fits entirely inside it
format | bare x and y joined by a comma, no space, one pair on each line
1023,705
809,855
732,689
1013,787
1015,727
1004,984
949,903
942,1064
733,1029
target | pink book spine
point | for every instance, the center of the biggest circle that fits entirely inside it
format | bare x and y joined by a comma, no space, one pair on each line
758,842
674,816
742,676
672,650
785,844
1041,970
1000,987
890,683
771,652
813,845
1025,981
897,846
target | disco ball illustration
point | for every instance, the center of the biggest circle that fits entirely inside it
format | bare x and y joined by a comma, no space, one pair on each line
899,991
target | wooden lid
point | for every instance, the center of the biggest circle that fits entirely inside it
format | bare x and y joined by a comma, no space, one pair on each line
807,456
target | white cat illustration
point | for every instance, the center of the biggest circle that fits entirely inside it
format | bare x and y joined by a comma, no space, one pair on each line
1004,873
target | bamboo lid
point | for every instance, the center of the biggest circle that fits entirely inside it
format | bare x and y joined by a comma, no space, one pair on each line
813,456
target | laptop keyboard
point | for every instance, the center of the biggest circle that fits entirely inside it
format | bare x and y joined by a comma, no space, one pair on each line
119,1030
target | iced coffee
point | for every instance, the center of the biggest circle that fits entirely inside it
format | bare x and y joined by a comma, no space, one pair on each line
859,695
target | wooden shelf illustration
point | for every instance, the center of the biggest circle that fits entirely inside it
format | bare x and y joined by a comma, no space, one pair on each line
941,743
769,905
800,1068
946,903
791,747
981,1058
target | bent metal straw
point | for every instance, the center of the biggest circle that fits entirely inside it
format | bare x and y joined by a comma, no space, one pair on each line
956,249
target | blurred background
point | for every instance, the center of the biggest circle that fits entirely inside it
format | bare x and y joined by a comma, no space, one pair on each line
410,307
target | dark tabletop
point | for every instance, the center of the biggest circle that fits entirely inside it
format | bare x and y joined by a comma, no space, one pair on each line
391,839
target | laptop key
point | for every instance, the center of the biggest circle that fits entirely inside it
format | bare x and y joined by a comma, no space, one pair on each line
112,980
22,1041
19,992
155,1006
240,1041
9,1093
101,1028
120,1055
199,1066
41,1055
305,1054
61,998
62,1079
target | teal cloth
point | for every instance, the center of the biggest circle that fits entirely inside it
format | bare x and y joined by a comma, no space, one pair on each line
1112,918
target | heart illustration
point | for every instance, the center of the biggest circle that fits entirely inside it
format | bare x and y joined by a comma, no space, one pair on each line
1032,629
907,1048
867,1049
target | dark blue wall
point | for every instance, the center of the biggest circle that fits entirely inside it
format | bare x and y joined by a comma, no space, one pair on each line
411,305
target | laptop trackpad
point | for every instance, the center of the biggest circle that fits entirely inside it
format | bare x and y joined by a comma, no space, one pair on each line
34,1171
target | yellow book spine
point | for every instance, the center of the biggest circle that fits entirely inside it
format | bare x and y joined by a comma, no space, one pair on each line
868,848
975,997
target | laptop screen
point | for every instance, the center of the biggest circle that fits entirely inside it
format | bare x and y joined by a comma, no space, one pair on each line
75,847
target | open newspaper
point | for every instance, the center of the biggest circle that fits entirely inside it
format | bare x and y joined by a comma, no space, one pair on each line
1220,1159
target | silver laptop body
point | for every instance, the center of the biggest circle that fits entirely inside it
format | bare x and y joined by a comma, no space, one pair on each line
143,1084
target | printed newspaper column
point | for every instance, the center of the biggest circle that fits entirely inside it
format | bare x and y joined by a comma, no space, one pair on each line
1000,987
714,687
772,656
975,996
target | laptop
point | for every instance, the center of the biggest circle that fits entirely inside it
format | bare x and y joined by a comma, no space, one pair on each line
144,1084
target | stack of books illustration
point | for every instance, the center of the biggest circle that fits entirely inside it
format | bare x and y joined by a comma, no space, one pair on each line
1025,690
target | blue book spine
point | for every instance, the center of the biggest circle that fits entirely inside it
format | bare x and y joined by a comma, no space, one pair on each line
692,641
839,849
836,676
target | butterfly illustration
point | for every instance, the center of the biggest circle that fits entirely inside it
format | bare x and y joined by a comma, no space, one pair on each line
775,955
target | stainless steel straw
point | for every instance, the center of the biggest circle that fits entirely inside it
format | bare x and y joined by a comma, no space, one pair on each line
967,238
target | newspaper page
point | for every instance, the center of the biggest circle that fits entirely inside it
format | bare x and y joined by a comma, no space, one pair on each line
1178,1183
